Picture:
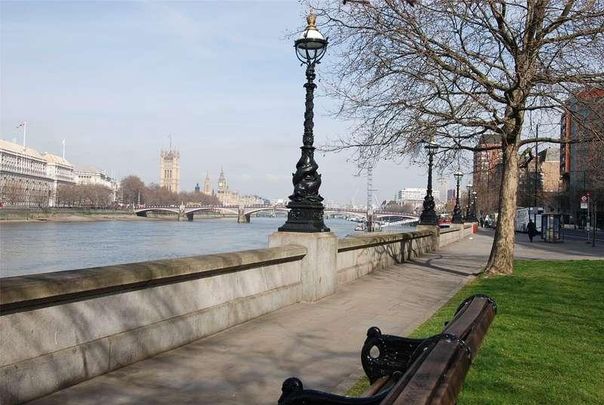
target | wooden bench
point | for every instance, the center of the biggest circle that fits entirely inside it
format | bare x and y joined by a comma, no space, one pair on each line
412,371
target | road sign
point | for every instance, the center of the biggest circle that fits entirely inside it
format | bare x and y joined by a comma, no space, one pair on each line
584,202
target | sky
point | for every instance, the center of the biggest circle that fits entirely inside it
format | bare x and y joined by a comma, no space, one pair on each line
115,79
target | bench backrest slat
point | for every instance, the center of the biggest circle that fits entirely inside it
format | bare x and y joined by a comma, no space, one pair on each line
472,322
427,385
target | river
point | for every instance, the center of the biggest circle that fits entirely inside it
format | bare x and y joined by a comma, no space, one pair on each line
40,247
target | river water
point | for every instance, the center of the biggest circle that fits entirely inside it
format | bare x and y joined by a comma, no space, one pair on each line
40,247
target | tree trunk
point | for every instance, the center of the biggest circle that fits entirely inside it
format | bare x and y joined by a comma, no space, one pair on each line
501,260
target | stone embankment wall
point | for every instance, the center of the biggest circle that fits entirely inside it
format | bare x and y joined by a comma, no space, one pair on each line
454,233
58,329
362,255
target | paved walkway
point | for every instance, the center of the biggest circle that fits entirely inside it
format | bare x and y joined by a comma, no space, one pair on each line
570,249
320,342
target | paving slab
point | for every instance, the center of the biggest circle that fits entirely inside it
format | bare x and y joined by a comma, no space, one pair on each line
319,342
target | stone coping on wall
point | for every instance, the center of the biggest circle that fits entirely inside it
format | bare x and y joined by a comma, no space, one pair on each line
23,292
447,230
375,239
466,225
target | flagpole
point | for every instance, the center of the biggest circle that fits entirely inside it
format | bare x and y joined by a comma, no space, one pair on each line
24,131
63,148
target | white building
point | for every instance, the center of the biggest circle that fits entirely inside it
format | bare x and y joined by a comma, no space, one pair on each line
440,192
414,196
29,178
411,194
59,171
88,175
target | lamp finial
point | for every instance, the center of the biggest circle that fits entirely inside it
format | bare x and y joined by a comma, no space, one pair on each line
311,20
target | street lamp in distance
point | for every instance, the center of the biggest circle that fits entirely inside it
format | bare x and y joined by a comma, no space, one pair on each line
428,215
471,211
469,202
457,216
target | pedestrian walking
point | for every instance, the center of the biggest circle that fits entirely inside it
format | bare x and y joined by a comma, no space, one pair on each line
532,229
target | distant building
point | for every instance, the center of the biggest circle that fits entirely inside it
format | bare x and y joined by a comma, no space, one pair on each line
549,164
414,196
410,194
248,200
207,185
228,197
441,188
224,195
540,180
29,178
223,185
488,171
90,175
581,164
197,188
169,177
451,194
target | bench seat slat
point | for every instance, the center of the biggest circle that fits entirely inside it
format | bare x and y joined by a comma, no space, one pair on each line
427,385
376,386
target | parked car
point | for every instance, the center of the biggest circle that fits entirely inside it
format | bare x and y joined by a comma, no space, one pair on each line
444,221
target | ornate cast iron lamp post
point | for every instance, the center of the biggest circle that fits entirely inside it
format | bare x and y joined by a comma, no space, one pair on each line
428,216
457,217
469,187
473,210
471,213
305,204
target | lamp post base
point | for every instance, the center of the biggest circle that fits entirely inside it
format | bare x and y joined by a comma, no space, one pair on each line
457,217
428,218
304,218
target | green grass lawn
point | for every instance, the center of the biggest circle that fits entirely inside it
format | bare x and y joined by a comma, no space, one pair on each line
546,345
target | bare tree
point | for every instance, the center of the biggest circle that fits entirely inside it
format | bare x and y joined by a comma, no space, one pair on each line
133,190
12,193
156,195
84,196
68,195
41,199
455,70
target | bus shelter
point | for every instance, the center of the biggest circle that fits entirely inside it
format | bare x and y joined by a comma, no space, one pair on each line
551,228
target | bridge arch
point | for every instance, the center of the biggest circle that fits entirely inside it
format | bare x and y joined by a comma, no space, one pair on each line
190,212
219,209
255,210
142,212
244,216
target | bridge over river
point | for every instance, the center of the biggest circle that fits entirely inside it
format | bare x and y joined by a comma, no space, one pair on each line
244,213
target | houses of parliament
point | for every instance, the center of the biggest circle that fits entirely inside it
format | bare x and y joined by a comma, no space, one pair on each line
170,179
